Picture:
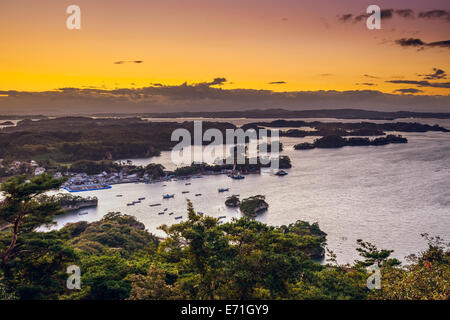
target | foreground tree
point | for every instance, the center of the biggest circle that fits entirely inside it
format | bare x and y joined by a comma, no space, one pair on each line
22,208
243,259
32,263
372,255
153,286
426,277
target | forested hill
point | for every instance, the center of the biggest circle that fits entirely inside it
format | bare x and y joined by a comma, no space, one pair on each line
81,138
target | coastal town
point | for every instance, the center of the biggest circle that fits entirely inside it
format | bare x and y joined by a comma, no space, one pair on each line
82,181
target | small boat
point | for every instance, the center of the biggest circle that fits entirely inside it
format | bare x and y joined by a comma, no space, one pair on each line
185,192
160,213
119,195
168,196
165,210
200,213
187,184
179,217
281,173
198,194
83,213
236,174
224,189
130,204
222,217
155,204
220,222
170,213
141,199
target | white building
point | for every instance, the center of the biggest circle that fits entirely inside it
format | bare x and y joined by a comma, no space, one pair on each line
39,171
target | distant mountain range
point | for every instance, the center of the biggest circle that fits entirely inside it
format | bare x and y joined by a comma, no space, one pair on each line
290,114
266,114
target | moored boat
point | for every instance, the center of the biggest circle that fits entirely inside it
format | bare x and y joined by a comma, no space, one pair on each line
155,204
281,173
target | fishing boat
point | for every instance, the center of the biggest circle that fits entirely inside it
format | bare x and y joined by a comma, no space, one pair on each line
168,196
281,173
155,204
83,213
170,213
179,217
236,175
198,194
185,192
130,204
224,189
160,213
143,198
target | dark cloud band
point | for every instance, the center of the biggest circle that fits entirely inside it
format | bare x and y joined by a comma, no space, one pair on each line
422,83
419,43
130,61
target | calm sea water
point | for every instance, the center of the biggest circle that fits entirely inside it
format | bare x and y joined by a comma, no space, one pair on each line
387,195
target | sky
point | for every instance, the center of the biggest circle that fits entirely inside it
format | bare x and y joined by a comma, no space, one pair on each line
157,56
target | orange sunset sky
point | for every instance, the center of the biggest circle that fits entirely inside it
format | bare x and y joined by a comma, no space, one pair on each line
277,46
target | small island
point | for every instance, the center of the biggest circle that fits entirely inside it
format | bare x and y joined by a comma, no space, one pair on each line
339,142
70,202
253,206
233,202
